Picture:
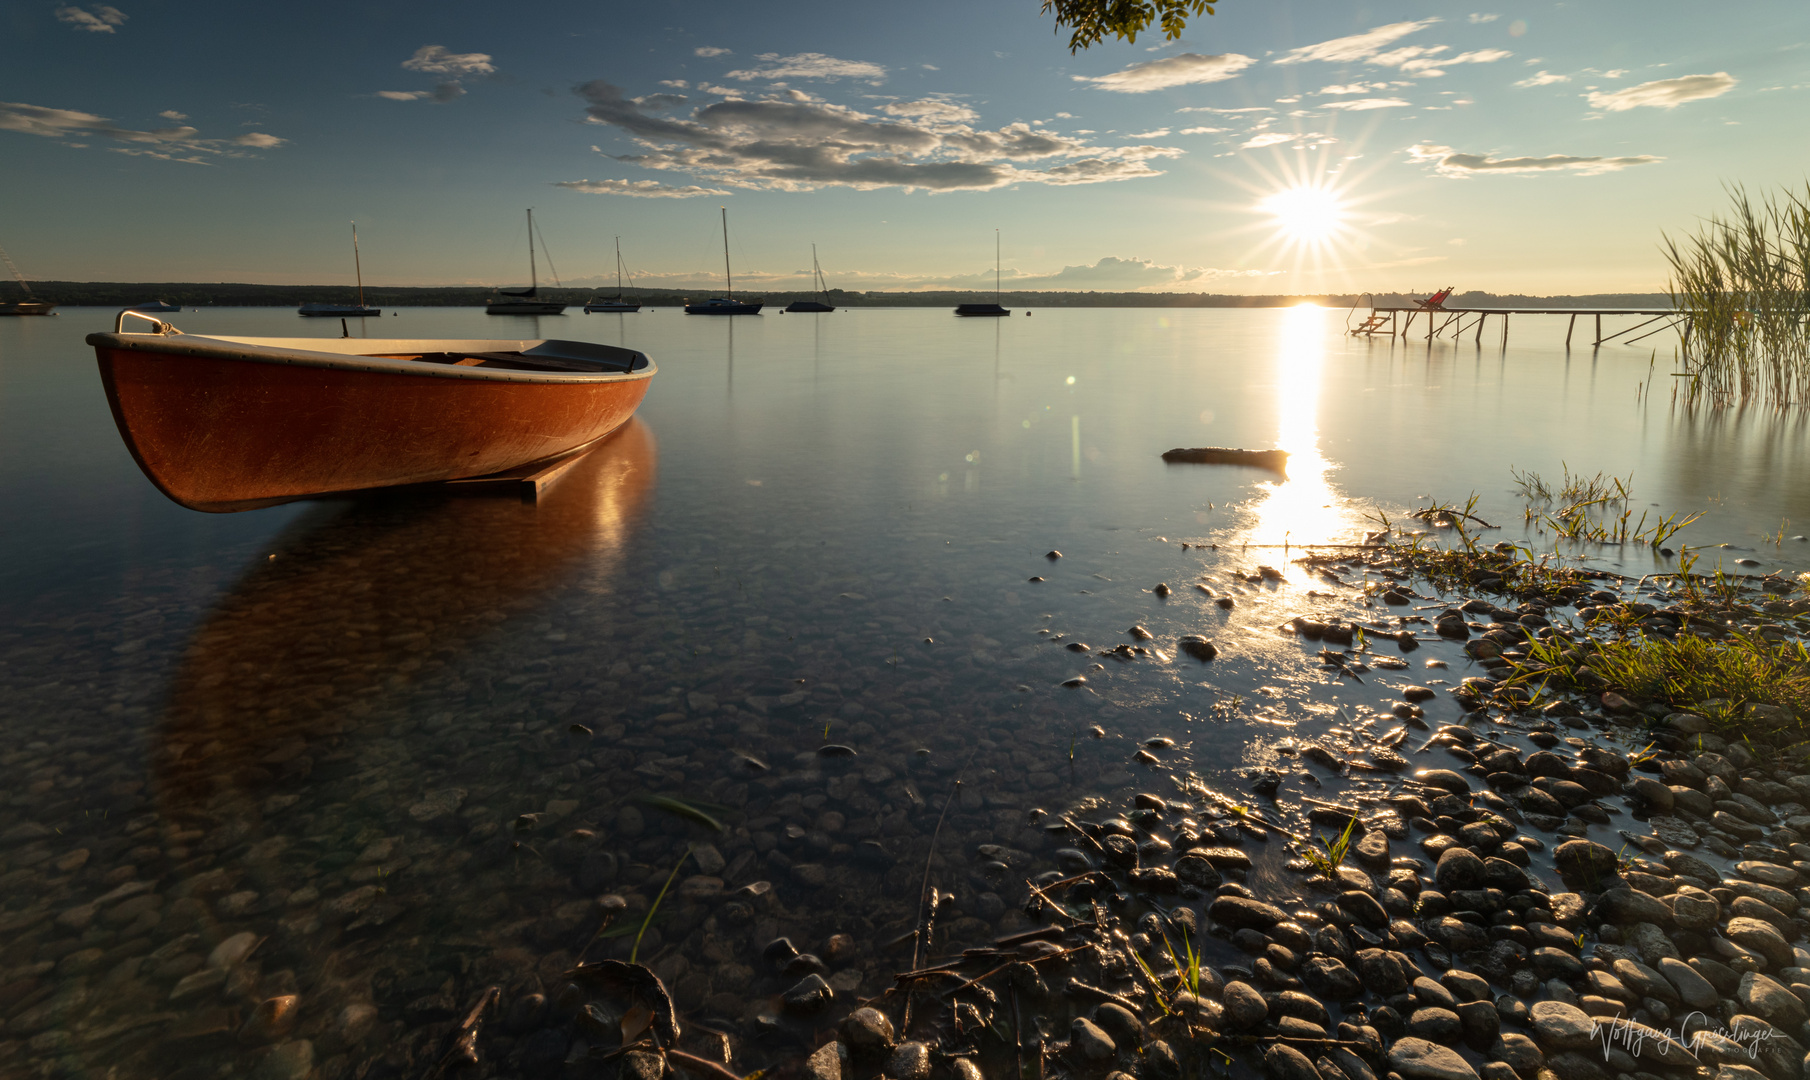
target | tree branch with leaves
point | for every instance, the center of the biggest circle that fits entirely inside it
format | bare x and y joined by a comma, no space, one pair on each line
1089,21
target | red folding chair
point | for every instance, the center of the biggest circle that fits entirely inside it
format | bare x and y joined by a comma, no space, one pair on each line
1436,302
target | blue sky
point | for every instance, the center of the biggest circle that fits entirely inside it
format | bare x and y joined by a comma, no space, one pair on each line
1532,147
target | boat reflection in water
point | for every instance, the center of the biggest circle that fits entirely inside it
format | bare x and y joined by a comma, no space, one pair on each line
334,632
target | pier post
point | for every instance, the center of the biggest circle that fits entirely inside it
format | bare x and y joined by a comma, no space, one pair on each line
1505,329
1568,328
1599,329
1479,338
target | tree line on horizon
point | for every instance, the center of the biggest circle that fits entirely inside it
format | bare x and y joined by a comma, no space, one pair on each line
226,294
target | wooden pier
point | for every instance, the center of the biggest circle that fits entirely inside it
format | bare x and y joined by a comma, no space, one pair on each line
1389,321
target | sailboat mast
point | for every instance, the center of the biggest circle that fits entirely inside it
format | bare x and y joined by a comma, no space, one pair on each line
23,284
817,275
533,277
619,268
996,266
728,278
356,267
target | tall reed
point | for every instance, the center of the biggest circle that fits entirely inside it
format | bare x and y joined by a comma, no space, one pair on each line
1744,279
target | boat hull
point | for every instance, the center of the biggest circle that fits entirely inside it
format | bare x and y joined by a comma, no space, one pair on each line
593,309
158,305
220,433
723,307
348,311
800,306
527,307
981,311
27,307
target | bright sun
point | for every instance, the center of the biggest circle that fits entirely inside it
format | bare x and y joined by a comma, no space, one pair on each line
1306,214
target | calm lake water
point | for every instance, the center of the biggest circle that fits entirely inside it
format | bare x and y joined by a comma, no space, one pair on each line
288,751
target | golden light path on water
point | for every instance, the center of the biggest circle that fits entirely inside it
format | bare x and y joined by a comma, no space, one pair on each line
1305,508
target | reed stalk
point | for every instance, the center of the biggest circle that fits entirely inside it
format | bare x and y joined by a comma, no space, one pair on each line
1744,280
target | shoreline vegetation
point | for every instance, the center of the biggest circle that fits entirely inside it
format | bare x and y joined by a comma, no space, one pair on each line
199,294
1745,280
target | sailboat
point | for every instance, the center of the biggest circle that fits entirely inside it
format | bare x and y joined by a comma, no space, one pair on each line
340,310
819,287
726,304
993,308
524,301
618,304
31,305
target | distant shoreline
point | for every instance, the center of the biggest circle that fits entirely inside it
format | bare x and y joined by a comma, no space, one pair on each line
196,294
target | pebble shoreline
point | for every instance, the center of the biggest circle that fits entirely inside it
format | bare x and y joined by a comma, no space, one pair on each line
418,816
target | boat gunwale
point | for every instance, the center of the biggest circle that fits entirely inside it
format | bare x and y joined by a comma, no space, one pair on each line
288,352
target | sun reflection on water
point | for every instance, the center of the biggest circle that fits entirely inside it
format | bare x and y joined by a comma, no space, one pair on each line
1304,508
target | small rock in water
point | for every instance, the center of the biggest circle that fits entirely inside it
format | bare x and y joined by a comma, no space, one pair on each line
1052,555
810,995
835,750
1198,647
1225,602
1077,646
1161,590
1138,633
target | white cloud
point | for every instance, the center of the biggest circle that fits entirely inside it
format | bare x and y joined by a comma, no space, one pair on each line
932,111
1200,131
1351,88
1355,46
789,141
1272,138
1481,18
1543,78
1666,93
1423,63
1616,74
1449,162
1157,134
172,114
451,66
645,189
101,20
436,60
1183,70
1366,104
181,143
810,66
440,94
710,50
1211,109
676,84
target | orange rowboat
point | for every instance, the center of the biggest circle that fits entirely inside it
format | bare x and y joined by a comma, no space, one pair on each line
222,424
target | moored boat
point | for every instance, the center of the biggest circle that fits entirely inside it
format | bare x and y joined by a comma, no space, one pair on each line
619,303
720,306
972,310
525,301
222,424
31,305
726,304
819,287
161,306
343,311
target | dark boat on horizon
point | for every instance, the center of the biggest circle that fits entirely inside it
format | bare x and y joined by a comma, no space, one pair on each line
31,305
525,301
726,304
157,306
987,309
319,310
620,303
821,288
